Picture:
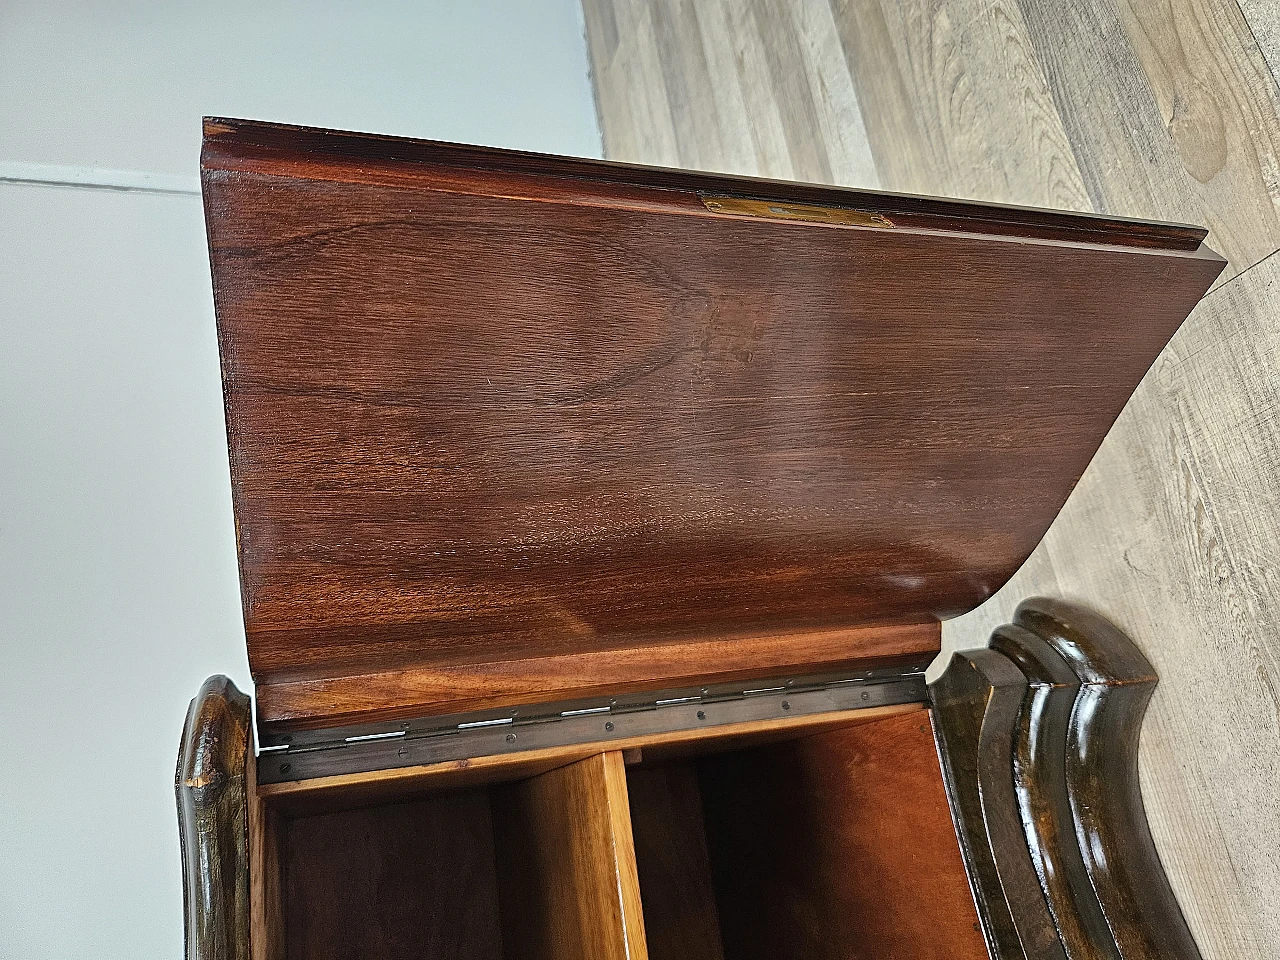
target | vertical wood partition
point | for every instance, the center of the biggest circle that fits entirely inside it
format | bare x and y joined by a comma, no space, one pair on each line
568,886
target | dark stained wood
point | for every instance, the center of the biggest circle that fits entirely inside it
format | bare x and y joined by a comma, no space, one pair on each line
977,703
1116,683
567,875
210,783
487,408
452,688
1040,779
1039,737
838,845
394,882
249,145
679,897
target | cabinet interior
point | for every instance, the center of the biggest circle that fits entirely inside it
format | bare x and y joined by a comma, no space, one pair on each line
823,842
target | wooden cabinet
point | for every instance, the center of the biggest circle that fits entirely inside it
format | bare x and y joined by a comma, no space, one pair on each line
595,527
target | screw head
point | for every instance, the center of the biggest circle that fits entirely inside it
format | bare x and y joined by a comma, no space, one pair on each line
511,738
702,715
609,726
786,704
286,767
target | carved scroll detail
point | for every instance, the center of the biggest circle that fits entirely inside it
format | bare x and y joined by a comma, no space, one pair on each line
213,822
1069,774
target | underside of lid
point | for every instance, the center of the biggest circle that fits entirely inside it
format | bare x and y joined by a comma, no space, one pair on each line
503,424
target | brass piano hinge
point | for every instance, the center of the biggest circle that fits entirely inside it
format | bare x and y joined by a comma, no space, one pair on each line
778,210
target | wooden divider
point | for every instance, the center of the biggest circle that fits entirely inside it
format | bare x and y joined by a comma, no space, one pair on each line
568,884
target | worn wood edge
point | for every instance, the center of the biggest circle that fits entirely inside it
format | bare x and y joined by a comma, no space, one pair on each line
266,906
428,691
1039,773
626,869
1101,773
567,832
227,141
357,788
976,705
211,784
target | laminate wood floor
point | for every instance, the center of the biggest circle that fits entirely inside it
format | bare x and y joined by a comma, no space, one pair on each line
1145,108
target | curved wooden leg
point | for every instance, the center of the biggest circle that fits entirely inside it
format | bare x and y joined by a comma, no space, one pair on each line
1070,771
213,822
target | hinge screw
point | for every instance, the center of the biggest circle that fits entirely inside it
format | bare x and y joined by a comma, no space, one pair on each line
786,704
865,695
511,738
702,715
609,726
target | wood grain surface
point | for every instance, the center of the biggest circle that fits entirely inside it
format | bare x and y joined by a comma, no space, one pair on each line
838,845
568,878
488,407
1138,107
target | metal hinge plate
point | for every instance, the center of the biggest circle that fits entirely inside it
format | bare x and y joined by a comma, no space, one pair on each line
307,754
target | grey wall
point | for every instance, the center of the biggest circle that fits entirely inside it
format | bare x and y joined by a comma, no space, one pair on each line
118,589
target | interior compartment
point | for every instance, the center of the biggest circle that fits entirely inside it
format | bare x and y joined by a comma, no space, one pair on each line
815,841
526,870
836,844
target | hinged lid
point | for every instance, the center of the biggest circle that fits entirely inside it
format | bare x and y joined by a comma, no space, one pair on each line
507,427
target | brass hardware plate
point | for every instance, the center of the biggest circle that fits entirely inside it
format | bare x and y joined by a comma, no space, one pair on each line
776,210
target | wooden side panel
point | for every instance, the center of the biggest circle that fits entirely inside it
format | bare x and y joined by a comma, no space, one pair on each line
399,882
680,915
266,833
569,888
210,783
839,845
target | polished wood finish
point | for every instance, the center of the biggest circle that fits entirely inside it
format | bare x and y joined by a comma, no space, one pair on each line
542,411
838,845
977,703
246,146
210,783
1136,107
569,887
394,882
1115,684
381,786
1010,103
1039,737
420,691
1040,780
680,916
